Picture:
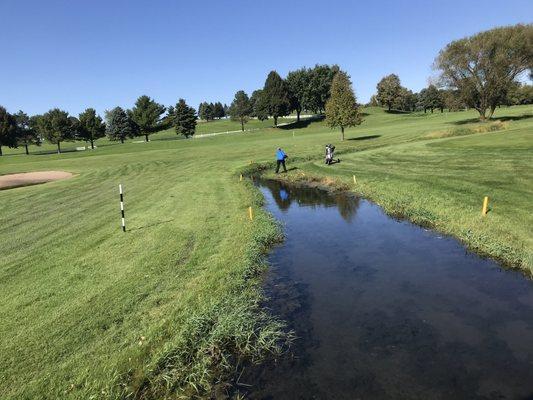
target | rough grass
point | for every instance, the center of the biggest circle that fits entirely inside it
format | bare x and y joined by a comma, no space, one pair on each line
463,131
166,309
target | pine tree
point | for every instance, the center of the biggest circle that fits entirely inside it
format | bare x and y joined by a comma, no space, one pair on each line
119,125
277,96
146,114
218,110
184,119
341,108
240,108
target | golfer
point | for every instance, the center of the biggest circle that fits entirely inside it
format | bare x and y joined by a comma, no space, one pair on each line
280,159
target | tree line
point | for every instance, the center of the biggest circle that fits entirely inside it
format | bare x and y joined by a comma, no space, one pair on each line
211,111
303,89
482,72
57,126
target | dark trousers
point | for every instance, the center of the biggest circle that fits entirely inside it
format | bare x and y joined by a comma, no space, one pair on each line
278,163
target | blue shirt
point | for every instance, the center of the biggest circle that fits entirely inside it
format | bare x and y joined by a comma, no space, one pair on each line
280,155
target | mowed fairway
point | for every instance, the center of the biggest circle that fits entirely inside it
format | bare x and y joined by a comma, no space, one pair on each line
87,310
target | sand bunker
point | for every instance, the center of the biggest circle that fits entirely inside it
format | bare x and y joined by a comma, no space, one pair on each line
31,178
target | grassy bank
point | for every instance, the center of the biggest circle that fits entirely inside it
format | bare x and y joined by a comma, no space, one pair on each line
164,309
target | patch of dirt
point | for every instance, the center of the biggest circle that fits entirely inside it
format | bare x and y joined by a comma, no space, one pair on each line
31,178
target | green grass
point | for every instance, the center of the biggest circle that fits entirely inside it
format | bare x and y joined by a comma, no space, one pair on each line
163,309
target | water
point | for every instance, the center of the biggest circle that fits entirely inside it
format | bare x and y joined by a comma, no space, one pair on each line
387,310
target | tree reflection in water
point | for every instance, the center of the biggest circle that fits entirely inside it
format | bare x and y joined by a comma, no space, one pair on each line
284,195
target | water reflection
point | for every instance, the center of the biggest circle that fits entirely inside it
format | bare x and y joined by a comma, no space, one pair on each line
284,195
387,310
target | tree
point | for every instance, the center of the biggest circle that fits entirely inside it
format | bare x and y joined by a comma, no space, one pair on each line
373,101
209,111
276,96
389,90
147,114
341,108
206,111
318,89
119,125
184,119
298,82
431,98
168,119
57,126
259,105
201,111
26,133
240,108
483,67
406,100
91,126
8,128
218,110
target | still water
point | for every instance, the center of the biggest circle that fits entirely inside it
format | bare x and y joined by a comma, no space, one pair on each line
384,309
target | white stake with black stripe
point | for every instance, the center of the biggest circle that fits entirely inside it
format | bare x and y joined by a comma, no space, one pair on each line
122,207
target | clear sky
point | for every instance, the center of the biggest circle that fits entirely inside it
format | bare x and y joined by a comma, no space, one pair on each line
75,54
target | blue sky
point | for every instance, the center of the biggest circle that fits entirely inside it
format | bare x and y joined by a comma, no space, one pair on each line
77,54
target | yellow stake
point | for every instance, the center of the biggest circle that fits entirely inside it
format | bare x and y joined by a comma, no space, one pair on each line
240,178
354,181
251,213
485,206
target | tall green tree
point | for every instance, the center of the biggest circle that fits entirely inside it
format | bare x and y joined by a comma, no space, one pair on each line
318,89
483,67
119,125
218,110
277,96
241,108
259,105
26,130
56,126
184,119
389,91
431,98
341,109
298,82
8,129
406,101
147,115
209,111
91,126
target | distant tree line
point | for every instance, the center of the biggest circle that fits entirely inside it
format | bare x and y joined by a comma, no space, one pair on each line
211,111
57,126
303,89
483,72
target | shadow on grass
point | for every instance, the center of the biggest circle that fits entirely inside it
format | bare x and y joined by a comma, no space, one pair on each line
369,137
48,152
303,123
397,112
515,117
503,119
